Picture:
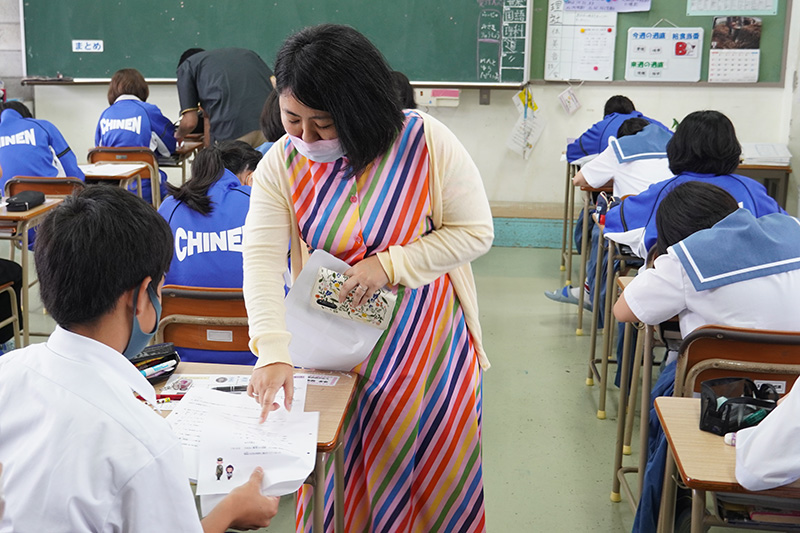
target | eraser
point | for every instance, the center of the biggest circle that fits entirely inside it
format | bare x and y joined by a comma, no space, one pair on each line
730,439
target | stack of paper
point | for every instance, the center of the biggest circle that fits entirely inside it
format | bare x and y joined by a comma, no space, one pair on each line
770,154
223,442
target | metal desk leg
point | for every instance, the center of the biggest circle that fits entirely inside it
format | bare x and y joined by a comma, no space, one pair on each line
595,319
338,489
608,325
564,241
666,513
644,420
635,377
570,231
698,510
584,260
623,394
319,493
25,287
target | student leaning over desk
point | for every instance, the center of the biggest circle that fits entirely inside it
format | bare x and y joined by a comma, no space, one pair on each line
80,452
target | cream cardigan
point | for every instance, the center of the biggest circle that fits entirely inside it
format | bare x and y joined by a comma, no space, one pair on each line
462,232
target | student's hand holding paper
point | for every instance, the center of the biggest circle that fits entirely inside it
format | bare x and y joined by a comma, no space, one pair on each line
244,508
265,384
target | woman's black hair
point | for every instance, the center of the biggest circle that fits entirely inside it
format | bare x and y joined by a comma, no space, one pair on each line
704,142
335,69
270,121
207,168
632,126
618,104
17,106
688,208
405,92
95,246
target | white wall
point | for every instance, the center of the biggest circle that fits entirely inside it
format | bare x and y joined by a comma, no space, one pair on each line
759,114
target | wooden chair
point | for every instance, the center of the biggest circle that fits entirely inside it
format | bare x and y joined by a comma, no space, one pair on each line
712,352
135,154
49,186
203,318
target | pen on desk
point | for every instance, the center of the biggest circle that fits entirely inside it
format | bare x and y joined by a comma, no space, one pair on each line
149,372
232,388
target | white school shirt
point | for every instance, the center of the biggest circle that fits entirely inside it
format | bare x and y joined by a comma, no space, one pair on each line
769,302
79,451
632,177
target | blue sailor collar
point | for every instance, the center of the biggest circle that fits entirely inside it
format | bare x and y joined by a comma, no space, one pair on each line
650,143
740,247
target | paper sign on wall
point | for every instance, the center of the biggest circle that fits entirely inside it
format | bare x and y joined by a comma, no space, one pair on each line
731,7
620,6
580,44
735,54
664,54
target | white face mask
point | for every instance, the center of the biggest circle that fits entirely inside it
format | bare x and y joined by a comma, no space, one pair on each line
320,151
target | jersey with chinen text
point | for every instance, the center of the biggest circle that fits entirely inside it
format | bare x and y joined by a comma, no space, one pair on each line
131,122
34,147
208,248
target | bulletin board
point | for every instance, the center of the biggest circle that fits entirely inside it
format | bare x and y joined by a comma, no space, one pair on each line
775,31
664,54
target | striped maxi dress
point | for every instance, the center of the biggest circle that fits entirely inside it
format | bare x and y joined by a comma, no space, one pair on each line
412,437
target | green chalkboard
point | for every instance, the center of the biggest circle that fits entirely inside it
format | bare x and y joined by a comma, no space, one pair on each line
773,35
449,41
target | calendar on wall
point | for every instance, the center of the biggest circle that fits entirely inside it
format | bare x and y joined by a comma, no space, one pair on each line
735,50
664,54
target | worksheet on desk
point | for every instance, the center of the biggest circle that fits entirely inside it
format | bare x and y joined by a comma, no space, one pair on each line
188,418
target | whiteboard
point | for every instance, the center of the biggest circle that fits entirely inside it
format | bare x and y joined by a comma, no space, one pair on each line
664,54
580,44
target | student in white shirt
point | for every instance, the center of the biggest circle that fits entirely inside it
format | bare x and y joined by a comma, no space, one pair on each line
80,451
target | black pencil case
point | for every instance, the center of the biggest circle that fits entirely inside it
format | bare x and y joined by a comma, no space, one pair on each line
25,200
152,357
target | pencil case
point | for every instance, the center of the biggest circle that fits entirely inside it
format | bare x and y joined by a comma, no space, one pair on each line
731,404
377,311
25,200
157,362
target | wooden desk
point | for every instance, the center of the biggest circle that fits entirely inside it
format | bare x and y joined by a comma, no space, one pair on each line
181,155
14,226
774,178
121,173
332,403
704,461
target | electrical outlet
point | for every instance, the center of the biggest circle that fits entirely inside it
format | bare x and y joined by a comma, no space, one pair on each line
485,97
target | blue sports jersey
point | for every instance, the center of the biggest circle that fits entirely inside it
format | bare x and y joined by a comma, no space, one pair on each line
34,147
208,250
595,139
633,222
130,122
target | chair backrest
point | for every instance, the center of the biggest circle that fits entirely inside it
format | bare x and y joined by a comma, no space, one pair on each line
203,318
129,154
713,352
49,186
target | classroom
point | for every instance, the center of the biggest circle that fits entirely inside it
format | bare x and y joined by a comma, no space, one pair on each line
547,458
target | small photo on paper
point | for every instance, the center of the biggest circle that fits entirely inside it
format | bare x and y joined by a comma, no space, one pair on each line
736,33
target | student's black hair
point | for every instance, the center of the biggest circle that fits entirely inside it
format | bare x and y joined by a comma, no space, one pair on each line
335,69
405,92
704,142
17,106
618,104
189,53
270,121
632,126
207,168
95,246
688,208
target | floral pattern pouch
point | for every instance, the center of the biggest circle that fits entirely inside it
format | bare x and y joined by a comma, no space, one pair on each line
377,311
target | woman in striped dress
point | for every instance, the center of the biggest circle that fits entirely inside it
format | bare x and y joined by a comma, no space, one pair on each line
395,195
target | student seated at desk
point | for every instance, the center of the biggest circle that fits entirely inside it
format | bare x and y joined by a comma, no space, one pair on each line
704,148
617,110
635,159
715,264
80,451
206,216
32,147
131,121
